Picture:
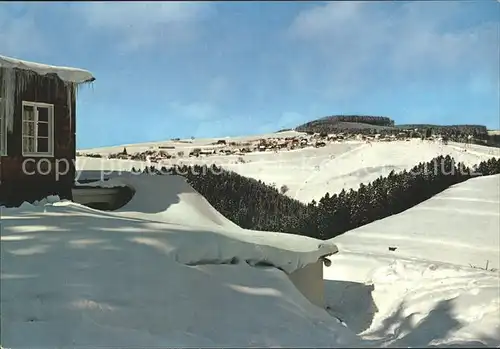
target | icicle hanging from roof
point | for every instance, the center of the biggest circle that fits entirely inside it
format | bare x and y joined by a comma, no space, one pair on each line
8,93
71,89
69,94
14,82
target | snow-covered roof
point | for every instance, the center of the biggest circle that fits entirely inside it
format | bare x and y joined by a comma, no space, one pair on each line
72,75
169,199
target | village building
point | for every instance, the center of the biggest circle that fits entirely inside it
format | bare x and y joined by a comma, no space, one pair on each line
37,130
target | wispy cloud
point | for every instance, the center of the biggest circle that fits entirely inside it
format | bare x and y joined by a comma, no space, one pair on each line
412,42
140,24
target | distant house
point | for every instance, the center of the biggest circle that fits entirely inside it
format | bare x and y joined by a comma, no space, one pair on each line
37,129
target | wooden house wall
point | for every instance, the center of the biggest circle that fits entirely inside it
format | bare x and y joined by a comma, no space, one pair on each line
17,185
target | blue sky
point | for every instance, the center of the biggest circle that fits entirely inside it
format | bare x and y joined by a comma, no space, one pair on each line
200,69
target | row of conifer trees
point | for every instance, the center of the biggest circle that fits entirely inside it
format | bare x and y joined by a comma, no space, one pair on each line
254,205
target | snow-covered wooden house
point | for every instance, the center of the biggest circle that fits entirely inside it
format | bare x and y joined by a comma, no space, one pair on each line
37,129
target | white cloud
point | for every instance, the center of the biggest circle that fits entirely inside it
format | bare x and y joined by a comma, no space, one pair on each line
412,42
140,24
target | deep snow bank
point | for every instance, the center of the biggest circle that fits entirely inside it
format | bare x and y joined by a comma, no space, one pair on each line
196,232
170,199
74,276
167,198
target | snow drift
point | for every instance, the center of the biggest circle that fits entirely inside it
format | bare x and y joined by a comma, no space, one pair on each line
75,276
170,199
165,199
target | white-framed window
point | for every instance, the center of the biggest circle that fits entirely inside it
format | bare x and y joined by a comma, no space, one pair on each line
3,131
38,129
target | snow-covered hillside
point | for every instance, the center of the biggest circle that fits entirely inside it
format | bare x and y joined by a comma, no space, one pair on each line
439,286
460,226
310,172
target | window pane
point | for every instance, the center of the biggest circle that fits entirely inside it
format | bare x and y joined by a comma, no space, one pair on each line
43,145
43,129
28,144
28,113
43,113
29,128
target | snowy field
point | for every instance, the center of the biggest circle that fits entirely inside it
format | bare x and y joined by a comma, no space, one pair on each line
310,172
155,273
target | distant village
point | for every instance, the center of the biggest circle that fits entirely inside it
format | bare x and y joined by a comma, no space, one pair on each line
272,144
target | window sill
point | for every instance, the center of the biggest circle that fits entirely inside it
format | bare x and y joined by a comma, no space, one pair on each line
38,155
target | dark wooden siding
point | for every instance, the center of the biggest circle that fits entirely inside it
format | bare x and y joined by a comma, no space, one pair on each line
17,185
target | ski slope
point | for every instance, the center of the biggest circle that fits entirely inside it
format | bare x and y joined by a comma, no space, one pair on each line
309,172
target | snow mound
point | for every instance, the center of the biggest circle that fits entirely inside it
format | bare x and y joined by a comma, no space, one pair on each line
73,276
194,230
170,199
51,199
166,198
